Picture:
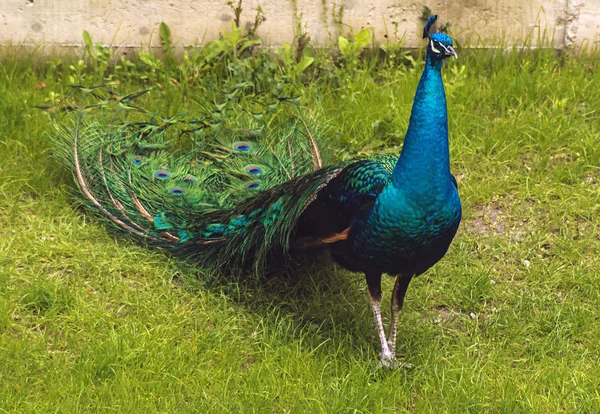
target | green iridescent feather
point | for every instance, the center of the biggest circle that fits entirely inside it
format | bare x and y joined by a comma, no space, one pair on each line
226,186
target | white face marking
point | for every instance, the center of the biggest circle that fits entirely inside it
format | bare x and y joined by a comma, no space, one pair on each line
433,48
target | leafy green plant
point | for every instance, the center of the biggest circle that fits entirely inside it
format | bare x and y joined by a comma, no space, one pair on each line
166,42
237,11
234,43
259,19
290,67
99,55
153,66
455,78
351,49
78,73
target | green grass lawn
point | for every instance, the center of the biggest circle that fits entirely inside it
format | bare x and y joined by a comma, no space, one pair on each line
508,321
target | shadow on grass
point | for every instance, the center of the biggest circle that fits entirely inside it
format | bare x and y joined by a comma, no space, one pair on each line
321,298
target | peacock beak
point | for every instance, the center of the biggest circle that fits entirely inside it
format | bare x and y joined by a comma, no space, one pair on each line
450,52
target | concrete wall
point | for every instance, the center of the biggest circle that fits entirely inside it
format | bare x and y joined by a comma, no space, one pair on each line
134,23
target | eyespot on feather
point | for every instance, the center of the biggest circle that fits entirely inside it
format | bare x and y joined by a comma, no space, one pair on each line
190,179
252,185
162,174
177,191
253,169
242,146
199,163
137,160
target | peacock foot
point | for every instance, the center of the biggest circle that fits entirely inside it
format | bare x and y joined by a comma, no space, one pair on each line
387,359
388,363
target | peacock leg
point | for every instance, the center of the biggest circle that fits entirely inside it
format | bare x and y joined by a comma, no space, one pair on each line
374,285
398,294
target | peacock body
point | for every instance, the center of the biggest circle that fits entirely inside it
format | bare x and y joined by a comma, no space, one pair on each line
233,192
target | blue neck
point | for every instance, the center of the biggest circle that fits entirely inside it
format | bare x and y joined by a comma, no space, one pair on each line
425,161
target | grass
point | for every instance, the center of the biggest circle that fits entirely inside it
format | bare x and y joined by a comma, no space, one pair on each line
506,322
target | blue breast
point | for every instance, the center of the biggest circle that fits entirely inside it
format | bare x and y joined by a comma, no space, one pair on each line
407,235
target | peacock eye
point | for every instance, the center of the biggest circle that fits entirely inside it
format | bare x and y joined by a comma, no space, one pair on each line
163,174
177,191
242,146
433,46
190,179
253,169
252,185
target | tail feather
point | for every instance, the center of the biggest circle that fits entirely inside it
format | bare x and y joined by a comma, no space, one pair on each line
226,187
86,190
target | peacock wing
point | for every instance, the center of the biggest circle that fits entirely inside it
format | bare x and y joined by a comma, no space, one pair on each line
345,200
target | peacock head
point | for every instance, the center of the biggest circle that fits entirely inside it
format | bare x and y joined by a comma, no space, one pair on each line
440,44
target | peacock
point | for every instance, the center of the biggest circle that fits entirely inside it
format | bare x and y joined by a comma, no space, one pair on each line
245,184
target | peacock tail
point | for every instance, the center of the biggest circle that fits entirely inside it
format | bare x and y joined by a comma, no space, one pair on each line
225,187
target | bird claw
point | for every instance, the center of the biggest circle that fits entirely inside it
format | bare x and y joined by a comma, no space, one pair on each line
390,362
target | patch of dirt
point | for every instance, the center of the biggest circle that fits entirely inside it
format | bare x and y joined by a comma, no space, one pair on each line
493,219
248,361
489,219
592,180
443,314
